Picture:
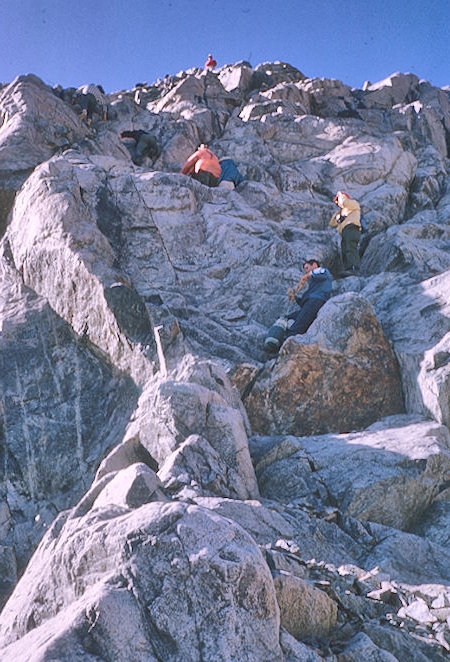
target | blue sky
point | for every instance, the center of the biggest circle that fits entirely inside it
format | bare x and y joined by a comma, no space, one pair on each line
119,43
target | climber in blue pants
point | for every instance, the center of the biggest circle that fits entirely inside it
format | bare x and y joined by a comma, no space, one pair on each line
318,292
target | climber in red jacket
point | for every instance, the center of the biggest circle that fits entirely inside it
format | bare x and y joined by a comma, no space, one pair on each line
210,63
203,166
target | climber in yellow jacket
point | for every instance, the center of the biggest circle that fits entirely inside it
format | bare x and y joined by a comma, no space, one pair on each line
348,223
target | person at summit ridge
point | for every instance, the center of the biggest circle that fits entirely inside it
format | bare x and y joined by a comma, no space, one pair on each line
210,63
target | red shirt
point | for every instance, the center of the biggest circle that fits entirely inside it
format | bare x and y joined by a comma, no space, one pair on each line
202,159
210,62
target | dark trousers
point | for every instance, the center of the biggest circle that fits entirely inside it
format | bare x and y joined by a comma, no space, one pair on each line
305,316
349,246
89,103
146,146
206,178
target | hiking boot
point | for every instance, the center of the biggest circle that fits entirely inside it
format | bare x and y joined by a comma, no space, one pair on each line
271,346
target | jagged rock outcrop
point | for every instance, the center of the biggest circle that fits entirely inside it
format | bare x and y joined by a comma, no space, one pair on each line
154,560
198,399
201,511
53,431
386,474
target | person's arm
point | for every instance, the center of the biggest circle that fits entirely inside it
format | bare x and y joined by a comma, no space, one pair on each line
292,291
190,164
335,220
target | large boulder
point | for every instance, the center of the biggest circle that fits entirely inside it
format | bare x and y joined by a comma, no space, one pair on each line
305,611
419,246
328,98
196,468
187,579
395,89
339,376
35,124
236,77
64,243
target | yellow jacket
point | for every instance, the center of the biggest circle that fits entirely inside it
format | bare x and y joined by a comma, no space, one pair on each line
350,214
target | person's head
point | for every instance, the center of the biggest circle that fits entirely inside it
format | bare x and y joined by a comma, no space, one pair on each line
202,146
340,197
210,56
310,265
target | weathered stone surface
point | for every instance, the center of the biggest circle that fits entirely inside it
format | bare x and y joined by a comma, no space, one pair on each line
434,525
361,647
397,88
194,575
79,632
130,488
236,77
288,527
296,651
344,353
328,97
196,469
64,256
400,645
422,347
422,248
385,474
34,124
53,433
408,557
197,400
97,250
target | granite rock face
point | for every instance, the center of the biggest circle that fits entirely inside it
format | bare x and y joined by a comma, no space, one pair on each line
139,560
385,474
180,496
53,429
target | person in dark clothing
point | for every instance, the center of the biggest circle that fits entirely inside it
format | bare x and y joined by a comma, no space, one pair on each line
318,292
146,145
298,322
88,105
91,98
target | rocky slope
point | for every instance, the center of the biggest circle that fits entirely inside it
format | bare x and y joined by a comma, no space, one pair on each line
220,506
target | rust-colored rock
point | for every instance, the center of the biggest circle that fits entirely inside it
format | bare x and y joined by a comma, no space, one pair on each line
340,376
